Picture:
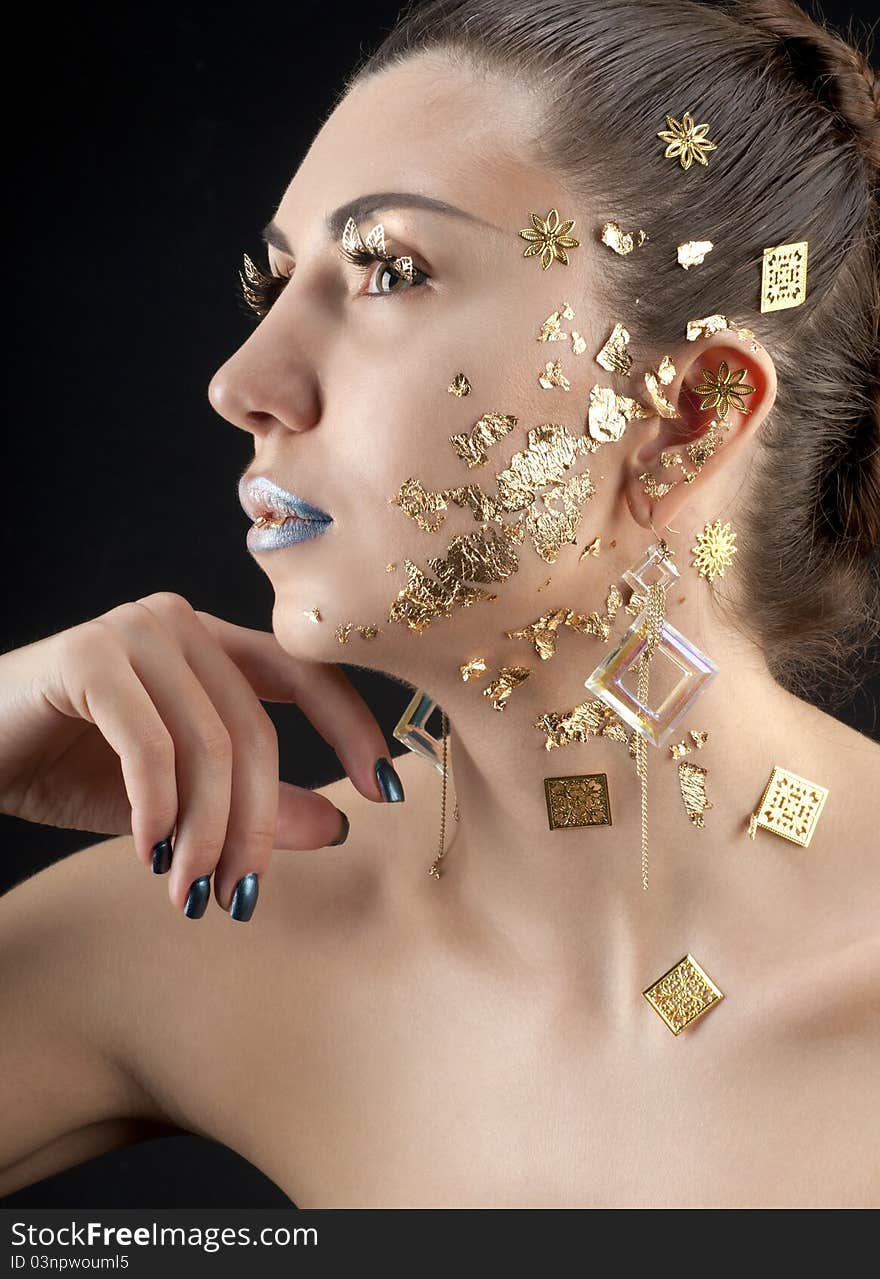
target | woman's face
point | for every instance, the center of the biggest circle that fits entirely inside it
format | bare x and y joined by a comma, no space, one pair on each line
345,383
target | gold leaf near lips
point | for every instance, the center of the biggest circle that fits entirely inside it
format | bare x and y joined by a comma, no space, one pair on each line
420,505
614,355
621,241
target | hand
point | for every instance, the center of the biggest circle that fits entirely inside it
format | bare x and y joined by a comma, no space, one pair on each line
148,720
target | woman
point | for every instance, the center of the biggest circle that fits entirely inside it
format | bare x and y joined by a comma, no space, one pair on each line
555,971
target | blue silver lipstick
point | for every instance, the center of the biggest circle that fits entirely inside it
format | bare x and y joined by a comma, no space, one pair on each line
280,517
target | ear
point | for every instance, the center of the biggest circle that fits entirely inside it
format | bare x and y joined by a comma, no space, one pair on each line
704,439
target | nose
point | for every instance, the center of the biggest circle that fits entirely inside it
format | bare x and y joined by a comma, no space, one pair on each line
258,393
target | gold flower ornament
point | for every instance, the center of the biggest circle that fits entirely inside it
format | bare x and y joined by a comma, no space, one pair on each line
550,238
686,140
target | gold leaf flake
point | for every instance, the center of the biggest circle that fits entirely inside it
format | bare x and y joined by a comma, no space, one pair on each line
588,719
614,355
471,446
313,614
551,329
609,414
389,568
343,632
679,750
621,241
578,343
459,386
692,252
473,669
692,781
509,678
553,376
654,379
699,737
367,632
592,549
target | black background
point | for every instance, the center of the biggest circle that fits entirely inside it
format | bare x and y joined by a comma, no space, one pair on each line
145,153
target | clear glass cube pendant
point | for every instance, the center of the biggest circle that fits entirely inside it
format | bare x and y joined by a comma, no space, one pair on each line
410,729
678,673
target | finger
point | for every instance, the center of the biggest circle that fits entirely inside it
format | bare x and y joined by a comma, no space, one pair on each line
104,690
203,746
323,692
253,812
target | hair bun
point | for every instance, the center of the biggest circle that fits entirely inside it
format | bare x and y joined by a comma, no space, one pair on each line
835,71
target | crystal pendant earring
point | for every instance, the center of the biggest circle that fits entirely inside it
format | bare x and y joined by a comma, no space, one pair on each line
683,671
410,729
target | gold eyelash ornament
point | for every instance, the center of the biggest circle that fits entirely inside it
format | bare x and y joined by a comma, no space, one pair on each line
352,243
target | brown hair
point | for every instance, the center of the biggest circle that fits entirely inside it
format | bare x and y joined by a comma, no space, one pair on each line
795,111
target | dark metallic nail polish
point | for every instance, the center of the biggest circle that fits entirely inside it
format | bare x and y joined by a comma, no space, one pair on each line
244,899
346,827
162,857
389,783
199,895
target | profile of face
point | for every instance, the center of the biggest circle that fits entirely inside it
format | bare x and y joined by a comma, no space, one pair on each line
448,517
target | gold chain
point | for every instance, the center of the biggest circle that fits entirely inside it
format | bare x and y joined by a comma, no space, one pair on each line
435,865
656,609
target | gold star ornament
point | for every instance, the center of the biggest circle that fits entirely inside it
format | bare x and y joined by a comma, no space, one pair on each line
550,238
686,141
714,550
720,390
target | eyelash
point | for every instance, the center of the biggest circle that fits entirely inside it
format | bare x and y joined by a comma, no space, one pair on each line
260,291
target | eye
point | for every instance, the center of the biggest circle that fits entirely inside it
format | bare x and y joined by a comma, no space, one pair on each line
366,258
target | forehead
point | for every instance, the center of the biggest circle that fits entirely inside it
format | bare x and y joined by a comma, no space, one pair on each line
425,126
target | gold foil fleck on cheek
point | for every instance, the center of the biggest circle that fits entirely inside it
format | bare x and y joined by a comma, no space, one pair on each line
313,614
471,446
509,678
484,556
343,632
367,632
551,329
551,451
699,736
551,529
578,343
459,386
609,413
420,505
553,376
423,600
692,782
614,355
473,669
654,379
621,241
593,548
692,252
389,568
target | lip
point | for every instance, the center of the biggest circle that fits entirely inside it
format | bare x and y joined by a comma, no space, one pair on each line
259,495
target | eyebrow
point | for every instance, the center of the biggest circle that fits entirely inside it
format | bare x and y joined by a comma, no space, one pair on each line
362,205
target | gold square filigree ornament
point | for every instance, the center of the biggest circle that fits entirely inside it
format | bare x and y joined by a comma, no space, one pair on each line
784,276
790,807
683,994
577,800
680,672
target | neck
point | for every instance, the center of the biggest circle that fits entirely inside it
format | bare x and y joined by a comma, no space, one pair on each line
560,900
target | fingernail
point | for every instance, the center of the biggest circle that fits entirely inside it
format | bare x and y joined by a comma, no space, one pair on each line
389,783
162,857
197,898
244,899
343,835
